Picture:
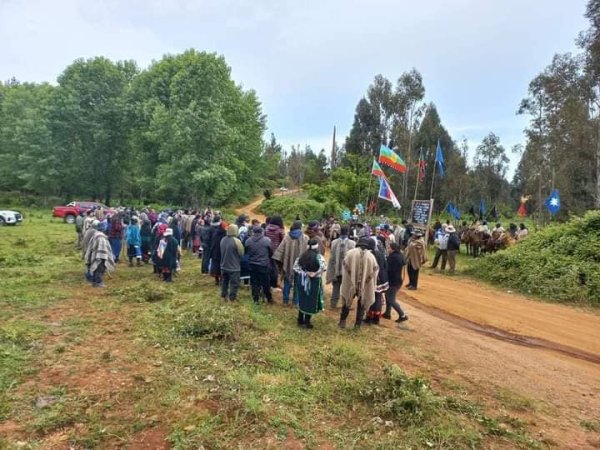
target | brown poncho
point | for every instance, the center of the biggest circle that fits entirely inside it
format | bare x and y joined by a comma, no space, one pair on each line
416,253
288,251
359,278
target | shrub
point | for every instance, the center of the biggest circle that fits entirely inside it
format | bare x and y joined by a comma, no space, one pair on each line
288,207
208,321
402,398
560,263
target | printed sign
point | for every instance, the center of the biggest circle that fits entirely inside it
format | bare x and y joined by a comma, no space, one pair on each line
420,212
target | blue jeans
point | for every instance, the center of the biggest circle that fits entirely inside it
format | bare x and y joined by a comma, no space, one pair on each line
116,244
287,289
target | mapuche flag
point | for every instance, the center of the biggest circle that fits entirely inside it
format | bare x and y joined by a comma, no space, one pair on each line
391,159
386,193
376,170
421,167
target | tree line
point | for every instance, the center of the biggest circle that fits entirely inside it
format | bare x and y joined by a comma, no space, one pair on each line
180,132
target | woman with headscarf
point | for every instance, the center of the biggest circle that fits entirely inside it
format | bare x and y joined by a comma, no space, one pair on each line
159,230
308,285
166,255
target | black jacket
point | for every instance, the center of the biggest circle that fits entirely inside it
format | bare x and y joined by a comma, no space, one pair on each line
258,249
453,241
396,262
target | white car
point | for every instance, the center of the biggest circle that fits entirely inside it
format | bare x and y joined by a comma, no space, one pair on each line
8,217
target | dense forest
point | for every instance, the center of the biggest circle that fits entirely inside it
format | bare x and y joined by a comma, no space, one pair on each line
182,132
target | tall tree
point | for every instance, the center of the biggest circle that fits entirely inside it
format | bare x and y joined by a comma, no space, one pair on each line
589,40
197,125
491,164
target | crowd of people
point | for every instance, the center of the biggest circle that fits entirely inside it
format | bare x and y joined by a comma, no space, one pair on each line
365,265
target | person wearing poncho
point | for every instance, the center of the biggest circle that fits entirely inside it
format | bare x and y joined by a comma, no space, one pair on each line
359,281
416,254
293,245
99,256
308,285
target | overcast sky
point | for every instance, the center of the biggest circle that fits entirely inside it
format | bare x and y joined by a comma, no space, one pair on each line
311,61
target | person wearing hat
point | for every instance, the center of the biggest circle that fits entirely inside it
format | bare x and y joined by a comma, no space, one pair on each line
293,245
308,286
453,247
416,255
258,249
441,243
98,256
232,250
134,241
359,281
166,255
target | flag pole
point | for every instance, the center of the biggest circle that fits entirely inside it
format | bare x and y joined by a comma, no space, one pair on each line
418,178
432,180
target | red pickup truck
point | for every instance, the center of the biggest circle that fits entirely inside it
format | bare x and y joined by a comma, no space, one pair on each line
73,209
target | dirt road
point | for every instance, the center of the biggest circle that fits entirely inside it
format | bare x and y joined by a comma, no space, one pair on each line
499,343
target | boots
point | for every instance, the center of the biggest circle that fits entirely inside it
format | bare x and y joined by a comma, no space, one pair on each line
360,314
300,319
139,262
343,316
307,323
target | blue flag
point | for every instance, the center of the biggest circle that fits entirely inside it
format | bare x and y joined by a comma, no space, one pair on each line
553,202
481,208
453,211
346,215
439,158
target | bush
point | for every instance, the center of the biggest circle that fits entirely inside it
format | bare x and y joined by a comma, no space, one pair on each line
560,263
208,321
288,207
407,400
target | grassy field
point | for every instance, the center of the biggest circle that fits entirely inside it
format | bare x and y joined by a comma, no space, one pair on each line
172,366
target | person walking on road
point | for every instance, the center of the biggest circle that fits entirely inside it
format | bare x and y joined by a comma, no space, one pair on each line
396,263
417,256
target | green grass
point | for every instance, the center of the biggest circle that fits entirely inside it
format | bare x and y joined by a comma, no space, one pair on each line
560,263
100,367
